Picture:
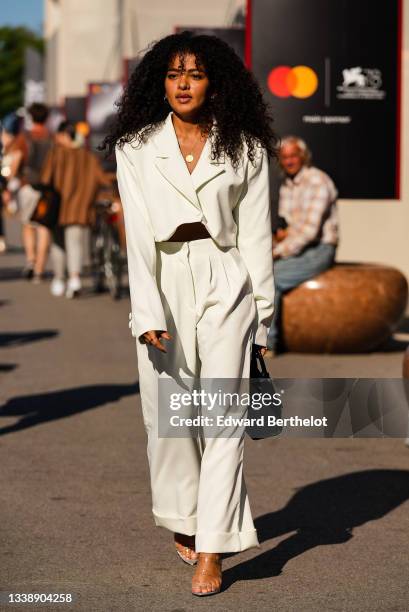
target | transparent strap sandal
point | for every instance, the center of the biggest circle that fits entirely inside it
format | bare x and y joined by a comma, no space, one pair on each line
183,552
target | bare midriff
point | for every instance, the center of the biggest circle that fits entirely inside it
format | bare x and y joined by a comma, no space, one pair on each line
189,231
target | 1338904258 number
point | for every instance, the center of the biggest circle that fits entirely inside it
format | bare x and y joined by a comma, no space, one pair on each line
36,598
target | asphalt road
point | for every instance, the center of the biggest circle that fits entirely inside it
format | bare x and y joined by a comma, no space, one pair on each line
332,515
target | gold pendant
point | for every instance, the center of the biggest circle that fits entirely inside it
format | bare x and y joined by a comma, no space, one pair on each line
189,158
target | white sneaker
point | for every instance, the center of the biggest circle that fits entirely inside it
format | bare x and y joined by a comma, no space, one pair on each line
57,287
73,287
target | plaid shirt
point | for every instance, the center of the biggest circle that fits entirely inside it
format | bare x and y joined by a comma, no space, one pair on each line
308,204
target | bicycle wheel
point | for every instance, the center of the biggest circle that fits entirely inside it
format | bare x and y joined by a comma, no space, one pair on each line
113,265
97,258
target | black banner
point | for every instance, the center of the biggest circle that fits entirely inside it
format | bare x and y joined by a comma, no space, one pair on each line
331,69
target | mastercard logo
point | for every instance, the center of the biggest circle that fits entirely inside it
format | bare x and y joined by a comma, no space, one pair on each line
299,82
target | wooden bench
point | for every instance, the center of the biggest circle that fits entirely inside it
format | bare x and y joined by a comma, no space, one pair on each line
350,308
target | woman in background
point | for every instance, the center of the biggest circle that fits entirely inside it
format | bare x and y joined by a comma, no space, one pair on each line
13,154
77,175
36,237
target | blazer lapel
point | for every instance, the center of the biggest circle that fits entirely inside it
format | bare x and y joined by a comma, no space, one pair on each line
170,163
207,169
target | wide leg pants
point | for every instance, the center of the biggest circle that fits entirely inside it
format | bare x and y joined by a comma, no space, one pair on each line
197,483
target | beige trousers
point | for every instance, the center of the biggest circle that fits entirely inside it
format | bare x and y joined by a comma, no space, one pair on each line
197,483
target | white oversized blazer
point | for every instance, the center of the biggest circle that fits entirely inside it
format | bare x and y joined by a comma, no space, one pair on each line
158,193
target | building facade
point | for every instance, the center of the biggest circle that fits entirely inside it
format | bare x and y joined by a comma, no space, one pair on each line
89,40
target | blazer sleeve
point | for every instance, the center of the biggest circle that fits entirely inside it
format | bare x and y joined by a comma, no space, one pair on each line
147,309
252,215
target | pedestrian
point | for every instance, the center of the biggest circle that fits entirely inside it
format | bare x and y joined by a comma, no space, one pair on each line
193,139
36,237
13,153
306,244
77,175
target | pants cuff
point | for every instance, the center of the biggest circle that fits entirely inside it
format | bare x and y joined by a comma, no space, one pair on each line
186,525
226,542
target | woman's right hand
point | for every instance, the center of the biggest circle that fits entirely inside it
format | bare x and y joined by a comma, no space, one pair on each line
153,337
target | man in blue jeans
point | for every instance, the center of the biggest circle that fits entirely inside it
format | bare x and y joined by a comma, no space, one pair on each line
306,245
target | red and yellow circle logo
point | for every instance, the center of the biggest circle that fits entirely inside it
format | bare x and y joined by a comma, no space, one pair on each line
299,82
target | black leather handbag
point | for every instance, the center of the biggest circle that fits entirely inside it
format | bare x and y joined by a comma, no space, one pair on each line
47,209
260,383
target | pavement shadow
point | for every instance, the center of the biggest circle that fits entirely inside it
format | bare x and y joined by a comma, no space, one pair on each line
8,274
90,293
8,367
13,249
44,407
324,512
14,273
19,338
391,345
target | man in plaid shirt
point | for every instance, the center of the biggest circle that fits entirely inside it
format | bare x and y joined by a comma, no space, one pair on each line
306,245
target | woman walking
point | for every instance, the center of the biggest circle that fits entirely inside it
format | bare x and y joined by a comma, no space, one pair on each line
36,237
12,157
192,140
77,174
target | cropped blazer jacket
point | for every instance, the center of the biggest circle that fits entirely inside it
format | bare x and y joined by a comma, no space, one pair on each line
158,194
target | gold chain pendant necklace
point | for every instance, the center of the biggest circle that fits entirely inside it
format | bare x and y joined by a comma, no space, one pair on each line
190,157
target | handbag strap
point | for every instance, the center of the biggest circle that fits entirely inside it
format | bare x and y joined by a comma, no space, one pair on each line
259,357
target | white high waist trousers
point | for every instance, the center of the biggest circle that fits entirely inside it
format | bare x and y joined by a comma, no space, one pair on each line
197,483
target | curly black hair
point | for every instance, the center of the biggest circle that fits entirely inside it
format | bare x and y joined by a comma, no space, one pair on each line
233,99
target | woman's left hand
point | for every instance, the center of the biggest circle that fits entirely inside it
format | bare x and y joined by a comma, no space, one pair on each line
263,350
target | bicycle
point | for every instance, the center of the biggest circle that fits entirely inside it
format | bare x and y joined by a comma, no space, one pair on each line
105,250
